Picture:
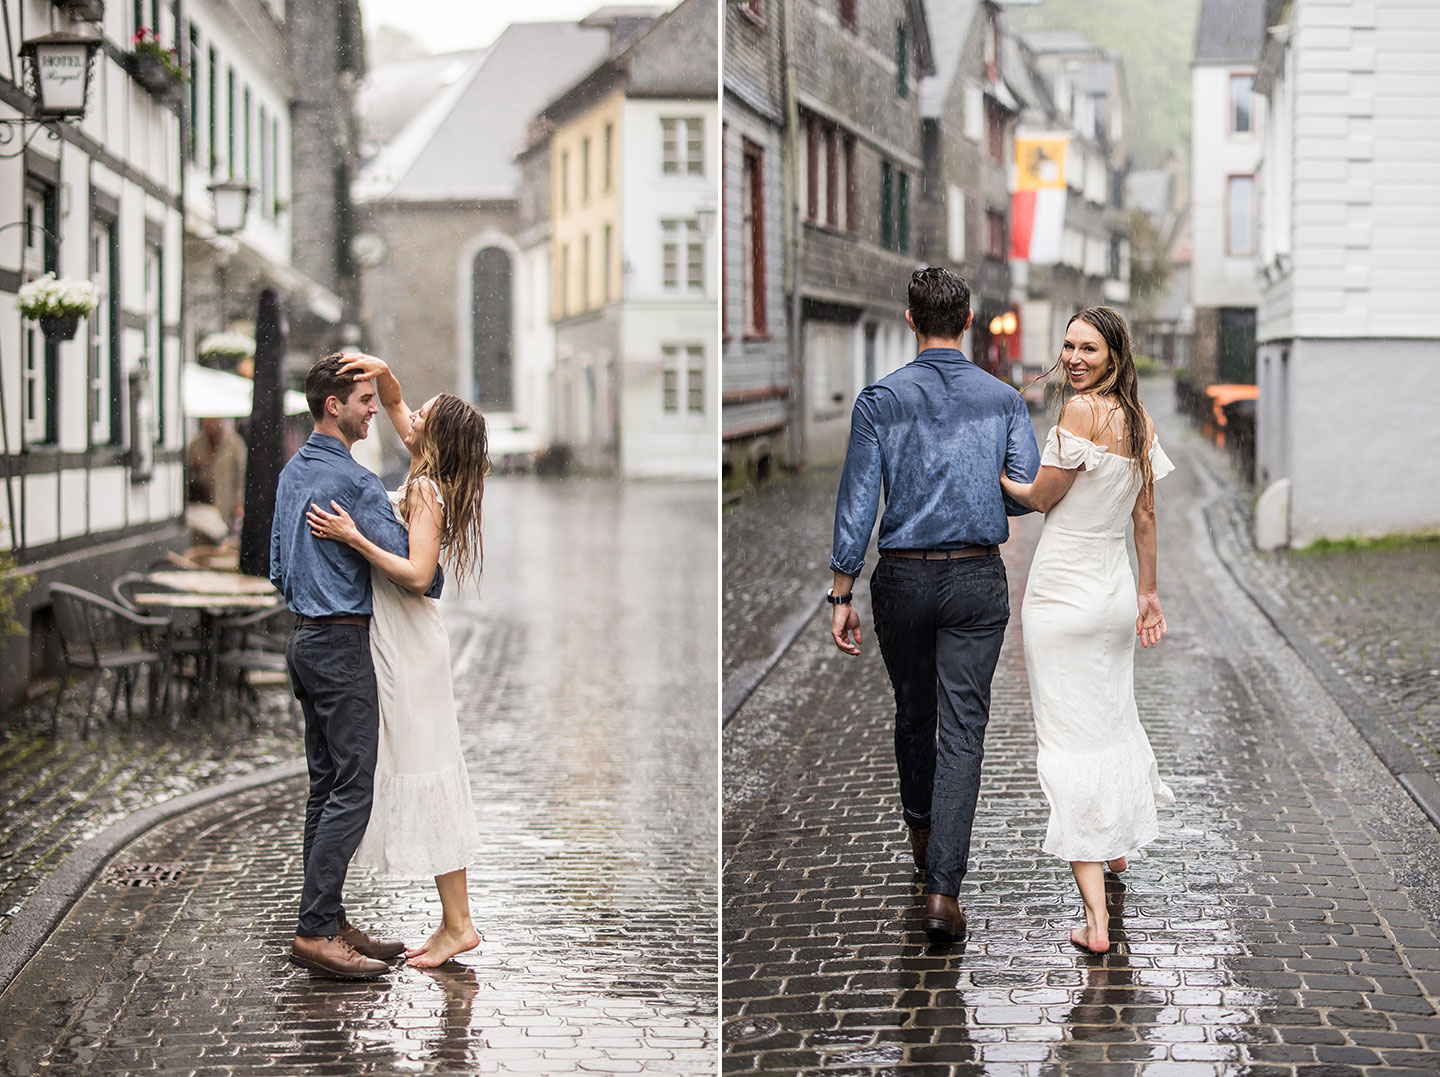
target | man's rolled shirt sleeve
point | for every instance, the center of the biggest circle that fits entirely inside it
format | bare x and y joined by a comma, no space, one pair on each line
1022,455
859,497
375,518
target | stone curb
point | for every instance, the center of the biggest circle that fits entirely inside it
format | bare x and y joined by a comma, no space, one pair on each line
1398,759
52,900
747,678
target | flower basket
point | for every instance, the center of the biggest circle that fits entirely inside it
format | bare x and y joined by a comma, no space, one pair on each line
58,305
226,348
156,66
59,326
84,10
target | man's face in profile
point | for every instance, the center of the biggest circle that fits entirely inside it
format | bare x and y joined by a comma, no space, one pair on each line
355,414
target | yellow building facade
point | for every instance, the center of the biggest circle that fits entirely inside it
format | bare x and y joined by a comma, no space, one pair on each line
585,186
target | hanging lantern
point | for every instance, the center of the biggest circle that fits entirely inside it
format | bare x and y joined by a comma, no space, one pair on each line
59,68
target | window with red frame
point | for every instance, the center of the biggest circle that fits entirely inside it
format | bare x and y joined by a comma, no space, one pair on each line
829,174
994,234
994,131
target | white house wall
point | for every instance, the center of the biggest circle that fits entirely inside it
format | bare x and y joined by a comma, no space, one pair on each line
1218,279
652,442
97,497
1369,485
1365,150
269,84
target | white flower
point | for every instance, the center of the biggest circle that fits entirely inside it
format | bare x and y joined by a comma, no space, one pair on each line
237,344
46,296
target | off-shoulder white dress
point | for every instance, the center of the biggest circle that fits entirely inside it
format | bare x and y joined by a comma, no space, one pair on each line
1096,766
422,821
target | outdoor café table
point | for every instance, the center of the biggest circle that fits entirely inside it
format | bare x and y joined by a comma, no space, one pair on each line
214,595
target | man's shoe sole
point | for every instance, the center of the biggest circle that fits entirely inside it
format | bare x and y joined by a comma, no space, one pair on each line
339,974
943,932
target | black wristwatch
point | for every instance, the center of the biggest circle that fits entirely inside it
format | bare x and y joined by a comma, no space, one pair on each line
838,600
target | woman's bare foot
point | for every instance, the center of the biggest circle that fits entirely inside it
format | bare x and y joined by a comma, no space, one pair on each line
441,947
1090,940
1117,865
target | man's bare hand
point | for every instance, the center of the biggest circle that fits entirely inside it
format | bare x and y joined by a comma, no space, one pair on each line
843,622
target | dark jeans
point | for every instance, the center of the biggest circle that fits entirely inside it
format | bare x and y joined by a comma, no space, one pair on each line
334,680
940,626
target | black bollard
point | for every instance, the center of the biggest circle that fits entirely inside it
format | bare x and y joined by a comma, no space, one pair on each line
267,436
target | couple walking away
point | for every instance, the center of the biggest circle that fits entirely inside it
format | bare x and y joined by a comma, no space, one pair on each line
369,659
955,453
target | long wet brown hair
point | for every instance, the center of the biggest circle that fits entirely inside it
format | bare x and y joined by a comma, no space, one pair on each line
1120,388
454,453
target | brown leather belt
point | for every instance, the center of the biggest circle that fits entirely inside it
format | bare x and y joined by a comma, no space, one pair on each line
360,619
942,555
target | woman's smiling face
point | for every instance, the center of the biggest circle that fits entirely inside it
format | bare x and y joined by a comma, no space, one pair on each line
417,418
1084,355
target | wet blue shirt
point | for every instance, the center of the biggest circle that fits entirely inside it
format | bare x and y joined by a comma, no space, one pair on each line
933,436
322,577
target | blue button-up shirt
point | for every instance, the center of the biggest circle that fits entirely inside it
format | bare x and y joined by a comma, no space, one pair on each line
322,577
934,435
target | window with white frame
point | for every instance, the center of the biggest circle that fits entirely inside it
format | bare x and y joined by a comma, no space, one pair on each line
1242,104
36,356
955,221
104,351
682,145
682,255
155,334
1240,215
682,379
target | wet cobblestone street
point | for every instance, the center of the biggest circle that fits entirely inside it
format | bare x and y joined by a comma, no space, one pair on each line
1285,922
586,686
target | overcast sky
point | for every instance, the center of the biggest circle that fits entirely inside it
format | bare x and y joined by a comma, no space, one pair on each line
449,25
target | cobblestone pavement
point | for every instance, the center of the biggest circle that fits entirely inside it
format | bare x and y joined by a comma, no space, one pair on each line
1373,613
777,549
1285,922
587,696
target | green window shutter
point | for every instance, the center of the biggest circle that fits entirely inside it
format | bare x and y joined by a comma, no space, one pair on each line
902,215
887,206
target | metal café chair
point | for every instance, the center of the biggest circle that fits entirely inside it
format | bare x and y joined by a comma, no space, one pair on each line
181,640
251,643
100,635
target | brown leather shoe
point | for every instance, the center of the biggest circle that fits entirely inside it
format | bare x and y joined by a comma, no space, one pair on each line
334,956
920,845
944,919
383,949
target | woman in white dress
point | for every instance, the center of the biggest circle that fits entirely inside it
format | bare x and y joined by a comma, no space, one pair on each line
422,821
1099,465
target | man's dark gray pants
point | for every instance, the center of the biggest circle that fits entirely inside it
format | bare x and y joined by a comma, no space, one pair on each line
334,679
940,626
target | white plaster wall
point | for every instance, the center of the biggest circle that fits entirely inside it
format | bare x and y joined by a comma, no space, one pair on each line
265,231
653,443
1365,438
1218,279
535,342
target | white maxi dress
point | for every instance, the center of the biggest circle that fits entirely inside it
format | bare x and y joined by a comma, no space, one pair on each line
422,821
1096,766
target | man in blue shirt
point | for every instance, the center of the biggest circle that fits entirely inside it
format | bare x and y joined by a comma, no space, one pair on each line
934,436
327,586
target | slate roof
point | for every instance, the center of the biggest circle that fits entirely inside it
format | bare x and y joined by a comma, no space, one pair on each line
950,23
447,128
1230,31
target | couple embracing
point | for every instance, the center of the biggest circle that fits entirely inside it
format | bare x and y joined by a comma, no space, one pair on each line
369,659
955,453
